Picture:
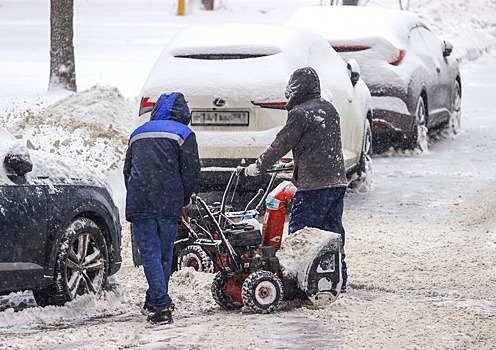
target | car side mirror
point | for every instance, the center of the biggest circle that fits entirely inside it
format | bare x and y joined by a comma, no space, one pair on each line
18,163
354,71
448,48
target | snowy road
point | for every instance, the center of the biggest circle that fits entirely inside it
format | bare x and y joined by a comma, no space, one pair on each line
421,252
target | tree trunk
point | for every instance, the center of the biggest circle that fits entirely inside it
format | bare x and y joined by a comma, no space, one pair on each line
62,64
208,4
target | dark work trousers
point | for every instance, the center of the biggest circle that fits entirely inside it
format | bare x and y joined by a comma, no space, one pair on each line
322,209
155,240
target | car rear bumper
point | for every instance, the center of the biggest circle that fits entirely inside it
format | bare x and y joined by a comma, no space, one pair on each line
391,115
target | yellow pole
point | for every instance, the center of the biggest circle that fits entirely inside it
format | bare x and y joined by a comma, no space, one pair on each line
181,7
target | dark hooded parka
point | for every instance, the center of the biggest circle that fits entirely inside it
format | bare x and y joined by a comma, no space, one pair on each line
162,166
312,132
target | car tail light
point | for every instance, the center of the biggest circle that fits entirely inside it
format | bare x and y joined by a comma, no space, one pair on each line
379,126
350,48
273,105
146,105
399,58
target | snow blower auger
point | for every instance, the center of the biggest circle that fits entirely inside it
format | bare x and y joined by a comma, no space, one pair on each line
310,258
248,271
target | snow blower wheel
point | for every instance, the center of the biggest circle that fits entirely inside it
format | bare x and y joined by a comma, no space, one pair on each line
194,256
262,292
220,294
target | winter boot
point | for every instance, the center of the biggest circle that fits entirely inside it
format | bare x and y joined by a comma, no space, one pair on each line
147,308
162,316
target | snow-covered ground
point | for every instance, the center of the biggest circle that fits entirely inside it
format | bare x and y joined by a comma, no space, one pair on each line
420,244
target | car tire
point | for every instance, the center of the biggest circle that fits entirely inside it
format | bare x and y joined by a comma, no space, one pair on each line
81,267
456,113
194,256
362,179
417,138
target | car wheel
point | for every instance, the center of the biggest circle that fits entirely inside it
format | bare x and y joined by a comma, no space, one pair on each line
81,266
363,175
456,113
417,138
195,257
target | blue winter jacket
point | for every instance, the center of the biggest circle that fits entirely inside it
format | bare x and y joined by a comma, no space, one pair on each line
162,166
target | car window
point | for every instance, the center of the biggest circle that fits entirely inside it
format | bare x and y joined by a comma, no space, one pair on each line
424,42
220,56
432,42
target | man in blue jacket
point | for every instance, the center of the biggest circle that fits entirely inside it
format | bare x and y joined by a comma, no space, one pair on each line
161,172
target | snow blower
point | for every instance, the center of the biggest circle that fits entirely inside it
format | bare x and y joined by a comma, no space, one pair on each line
248,272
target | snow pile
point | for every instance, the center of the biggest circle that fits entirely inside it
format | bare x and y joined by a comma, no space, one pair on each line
81,309
189,289
91,126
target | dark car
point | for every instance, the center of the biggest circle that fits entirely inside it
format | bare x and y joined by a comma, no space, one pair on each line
414,80
60,233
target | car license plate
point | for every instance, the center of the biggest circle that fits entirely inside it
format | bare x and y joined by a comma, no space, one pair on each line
220,118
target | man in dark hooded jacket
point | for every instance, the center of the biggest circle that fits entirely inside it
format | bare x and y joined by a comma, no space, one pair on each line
312,131
161,172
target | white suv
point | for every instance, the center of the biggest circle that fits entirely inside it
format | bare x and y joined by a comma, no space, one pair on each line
234,77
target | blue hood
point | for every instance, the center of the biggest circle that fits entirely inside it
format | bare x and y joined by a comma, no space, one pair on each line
172,106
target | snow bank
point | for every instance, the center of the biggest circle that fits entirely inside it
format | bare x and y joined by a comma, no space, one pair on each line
91,126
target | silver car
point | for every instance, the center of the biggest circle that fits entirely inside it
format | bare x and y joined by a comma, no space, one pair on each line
414,81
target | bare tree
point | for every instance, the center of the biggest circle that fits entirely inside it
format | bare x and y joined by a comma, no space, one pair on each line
404,4
62,64
208,4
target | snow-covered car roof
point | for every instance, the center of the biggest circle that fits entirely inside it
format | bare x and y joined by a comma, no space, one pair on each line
344,23
242,59
48,168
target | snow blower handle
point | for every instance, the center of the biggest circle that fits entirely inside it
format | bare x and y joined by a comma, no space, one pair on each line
278,168
240,170
281,167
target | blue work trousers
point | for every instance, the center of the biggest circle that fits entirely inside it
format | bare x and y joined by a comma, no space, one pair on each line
155,240
322,209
